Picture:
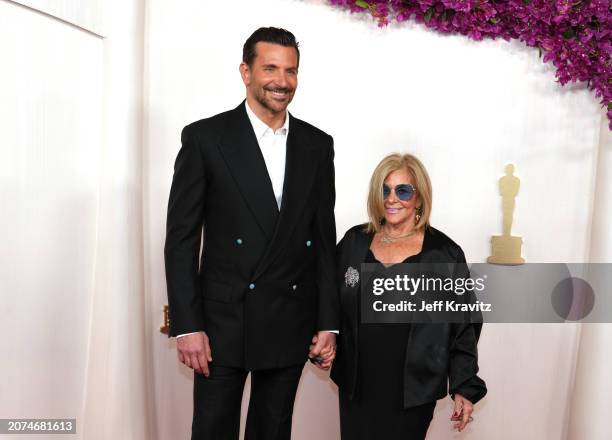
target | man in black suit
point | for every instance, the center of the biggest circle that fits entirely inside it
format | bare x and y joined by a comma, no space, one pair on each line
258,185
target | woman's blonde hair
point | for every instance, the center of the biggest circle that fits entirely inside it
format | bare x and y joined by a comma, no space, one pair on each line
422,184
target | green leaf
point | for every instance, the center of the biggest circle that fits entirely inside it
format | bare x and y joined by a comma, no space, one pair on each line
609,105
428,14
569,33
362,4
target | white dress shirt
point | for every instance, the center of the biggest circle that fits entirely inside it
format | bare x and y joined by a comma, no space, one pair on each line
273,146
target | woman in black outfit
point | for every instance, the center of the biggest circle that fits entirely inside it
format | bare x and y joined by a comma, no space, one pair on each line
390,375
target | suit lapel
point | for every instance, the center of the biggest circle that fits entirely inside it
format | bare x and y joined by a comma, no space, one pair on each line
300,173
243,156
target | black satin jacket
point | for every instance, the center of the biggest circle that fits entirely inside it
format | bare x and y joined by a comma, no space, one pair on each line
440,358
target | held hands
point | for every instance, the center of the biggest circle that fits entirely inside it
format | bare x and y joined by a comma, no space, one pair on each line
462,414
324,347
194,351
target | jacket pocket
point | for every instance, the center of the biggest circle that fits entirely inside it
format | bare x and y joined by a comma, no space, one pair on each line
214,290
304,290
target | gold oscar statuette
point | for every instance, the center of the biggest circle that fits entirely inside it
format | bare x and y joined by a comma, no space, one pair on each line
505,248
166,327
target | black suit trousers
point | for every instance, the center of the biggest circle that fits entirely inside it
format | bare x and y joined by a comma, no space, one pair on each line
217,401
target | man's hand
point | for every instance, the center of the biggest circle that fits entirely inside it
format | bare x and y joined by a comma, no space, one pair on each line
323,345
194,351
462,414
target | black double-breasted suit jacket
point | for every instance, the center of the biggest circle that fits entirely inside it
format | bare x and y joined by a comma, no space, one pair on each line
265,280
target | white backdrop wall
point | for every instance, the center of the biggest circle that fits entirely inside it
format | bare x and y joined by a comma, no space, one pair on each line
591,402
118,392
71,263
90,121
51,119
86,14
465,108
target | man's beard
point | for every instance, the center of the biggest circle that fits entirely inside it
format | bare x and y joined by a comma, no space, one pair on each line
269,103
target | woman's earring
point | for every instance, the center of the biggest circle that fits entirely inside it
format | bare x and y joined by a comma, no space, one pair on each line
418,212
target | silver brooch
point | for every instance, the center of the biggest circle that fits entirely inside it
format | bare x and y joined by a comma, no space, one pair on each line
351,277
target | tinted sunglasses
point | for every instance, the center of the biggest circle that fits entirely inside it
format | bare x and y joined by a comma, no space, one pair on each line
403,191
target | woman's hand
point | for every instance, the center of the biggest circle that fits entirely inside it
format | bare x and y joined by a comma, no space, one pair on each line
324,349
462,414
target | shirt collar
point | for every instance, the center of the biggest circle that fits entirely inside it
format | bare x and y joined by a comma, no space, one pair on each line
260,127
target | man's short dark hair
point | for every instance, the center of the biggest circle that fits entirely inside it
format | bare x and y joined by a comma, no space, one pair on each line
268,35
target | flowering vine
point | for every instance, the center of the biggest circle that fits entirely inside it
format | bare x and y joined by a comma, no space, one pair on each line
575,35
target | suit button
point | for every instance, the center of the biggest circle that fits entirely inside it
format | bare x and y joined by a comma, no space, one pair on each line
294,287
239,241
252,286
309,243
